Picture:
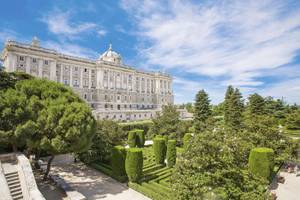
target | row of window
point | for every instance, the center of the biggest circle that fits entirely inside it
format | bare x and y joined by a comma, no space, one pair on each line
128,117
34,60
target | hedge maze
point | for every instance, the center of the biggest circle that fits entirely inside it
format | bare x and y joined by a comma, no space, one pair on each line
155,179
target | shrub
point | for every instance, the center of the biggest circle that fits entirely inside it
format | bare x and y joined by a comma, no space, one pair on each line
143,125
132,139
140,137
159,147
261,162
171,153
187,139
166,138
118,162
134,164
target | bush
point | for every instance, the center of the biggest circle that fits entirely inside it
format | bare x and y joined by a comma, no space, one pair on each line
143,125
171,153
261,162
166,138
187,139
134,164
118,162
132,139
159,147
140,137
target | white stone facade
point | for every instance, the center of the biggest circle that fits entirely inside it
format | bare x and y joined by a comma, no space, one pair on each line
114,90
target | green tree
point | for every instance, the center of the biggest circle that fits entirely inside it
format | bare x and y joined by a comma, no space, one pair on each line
256,105
202,111
293,120
210,166
233,109
166,122
8,80
14,113
62,122
107,135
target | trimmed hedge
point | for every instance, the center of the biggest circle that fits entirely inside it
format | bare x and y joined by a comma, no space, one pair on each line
140,137
144,125
147,192
171,153
134,164
118,162
159,147
132,139
187,139
261,162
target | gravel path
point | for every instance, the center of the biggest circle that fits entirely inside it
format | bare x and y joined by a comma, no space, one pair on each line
93,184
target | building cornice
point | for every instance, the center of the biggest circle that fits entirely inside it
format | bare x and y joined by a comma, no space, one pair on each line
11,45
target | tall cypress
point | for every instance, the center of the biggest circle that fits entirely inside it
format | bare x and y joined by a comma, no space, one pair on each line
202,111
256,105
233,108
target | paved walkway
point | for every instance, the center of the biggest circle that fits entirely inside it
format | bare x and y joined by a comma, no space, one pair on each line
289,190
93,184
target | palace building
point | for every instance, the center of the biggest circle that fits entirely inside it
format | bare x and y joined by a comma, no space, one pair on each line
114,90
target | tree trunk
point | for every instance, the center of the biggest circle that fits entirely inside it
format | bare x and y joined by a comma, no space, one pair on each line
36,159
48,167
14,147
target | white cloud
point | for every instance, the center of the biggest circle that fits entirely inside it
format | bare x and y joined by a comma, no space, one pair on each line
63,24
234,42
71,49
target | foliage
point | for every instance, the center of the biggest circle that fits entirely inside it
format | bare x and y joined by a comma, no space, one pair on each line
107,135
50,115
210,165
171,153
187,140
140,138
9,80
132,139
15,111
202,111
256,104
261,162
293,120
144,125
118,161
233,109
134,164
159,148
166,122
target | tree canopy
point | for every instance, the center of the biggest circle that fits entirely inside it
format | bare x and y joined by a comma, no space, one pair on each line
202,111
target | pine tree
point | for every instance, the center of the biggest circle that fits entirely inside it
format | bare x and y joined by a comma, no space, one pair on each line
233,108
256,104
202,111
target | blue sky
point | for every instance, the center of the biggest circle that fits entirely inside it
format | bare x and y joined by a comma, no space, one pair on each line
253,45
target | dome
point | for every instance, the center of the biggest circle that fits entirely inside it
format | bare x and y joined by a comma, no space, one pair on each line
110,56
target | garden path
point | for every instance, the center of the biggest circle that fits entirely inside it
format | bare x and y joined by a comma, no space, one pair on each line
93,184
289,189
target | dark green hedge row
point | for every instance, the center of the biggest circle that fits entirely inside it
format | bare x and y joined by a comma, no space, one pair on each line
108,171
261,162
159,147
136,137
187,139
134,164
171,153
144,125
118,162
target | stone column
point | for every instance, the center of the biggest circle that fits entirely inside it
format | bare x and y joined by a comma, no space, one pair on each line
52,70
27,64
40,68
90,78
81,77
71,76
